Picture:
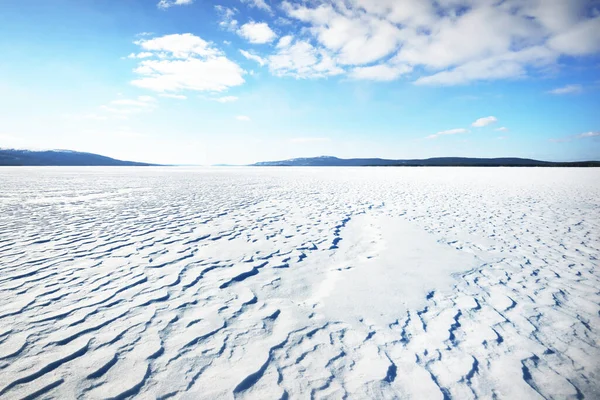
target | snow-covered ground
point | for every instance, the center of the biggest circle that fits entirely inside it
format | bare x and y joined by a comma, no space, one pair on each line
265,283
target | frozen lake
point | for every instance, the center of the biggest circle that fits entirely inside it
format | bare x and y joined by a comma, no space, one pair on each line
268,283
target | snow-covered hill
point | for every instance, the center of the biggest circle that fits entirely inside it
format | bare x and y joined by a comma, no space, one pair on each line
16,157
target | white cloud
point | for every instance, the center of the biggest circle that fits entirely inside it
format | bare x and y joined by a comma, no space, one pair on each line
253,57
481,122
356,37
380,72
257,32
581,39
243,118
451,41
213,74
227,21
185,62
300,140
164,4
510,65
302,60
568,89
179,46
501,129
226,99
442,42
448,132
285,41
261,4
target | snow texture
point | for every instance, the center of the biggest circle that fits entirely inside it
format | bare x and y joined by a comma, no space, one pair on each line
265,283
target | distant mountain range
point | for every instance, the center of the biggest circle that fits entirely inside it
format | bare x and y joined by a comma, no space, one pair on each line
328,161
11,157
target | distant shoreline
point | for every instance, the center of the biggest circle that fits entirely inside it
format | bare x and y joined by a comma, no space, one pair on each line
67,158
327,161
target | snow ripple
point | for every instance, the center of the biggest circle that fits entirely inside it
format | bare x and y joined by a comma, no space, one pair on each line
229,283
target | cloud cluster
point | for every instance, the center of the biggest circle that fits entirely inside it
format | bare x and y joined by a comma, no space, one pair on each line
257,32
164,4
181,62
260,4
253,57
228,22
478,123
440,42
300,59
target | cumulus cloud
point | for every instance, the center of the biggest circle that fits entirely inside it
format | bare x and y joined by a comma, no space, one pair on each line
568,89
260,4
244,118
257,32
510,65
357,37
227,21
448,42
185,62
298,59
501,129
179,46
214,74
302,60
580,39
448,132
253,57
481,122
164,4
285,41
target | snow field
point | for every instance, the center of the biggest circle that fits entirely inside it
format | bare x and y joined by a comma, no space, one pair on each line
206,283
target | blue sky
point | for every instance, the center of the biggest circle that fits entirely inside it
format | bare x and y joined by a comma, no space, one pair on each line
239,81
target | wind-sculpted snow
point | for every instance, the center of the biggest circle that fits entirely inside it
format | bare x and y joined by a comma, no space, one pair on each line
265,283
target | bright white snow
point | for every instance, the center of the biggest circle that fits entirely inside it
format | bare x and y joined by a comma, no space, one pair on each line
203,283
